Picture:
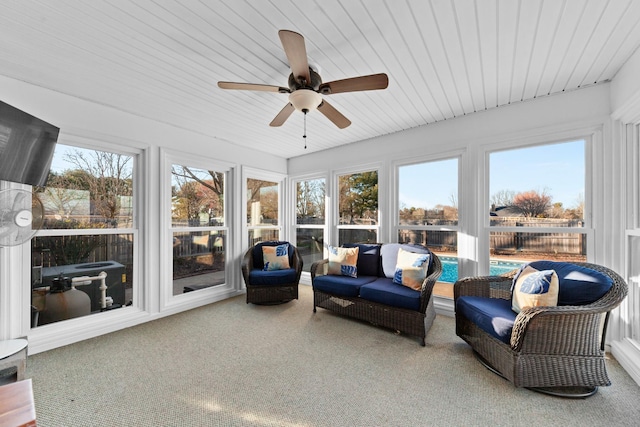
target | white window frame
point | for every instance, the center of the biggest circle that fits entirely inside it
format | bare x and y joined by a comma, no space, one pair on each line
484,206
53,335
335,209
169,302
262,175
396,227
625,325
292,217
396,183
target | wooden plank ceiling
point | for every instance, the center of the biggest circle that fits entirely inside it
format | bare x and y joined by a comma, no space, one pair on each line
162,59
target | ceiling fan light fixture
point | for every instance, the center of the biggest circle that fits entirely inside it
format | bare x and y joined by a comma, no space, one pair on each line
305,99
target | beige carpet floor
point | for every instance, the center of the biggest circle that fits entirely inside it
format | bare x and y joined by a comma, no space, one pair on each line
233,364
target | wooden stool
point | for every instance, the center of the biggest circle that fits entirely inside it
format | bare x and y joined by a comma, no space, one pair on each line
17,408
13,353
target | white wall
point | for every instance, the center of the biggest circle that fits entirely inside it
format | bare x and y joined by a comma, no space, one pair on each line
625,101
625,87
73,115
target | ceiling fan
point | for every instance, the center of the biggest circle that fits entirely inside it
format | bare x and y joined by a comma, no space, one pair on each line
306,88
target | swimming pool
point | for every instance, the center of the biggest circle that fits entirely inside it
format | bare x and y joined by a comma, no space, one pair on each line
450,268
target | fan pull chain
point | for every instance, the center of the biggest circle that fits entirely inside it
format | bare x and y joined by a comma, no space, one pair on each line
305,111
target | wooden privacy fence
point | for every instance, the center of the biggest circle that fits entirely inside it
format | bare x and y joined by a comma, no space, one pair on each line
442,240
506,242
77,249
510,221
187,245
561,243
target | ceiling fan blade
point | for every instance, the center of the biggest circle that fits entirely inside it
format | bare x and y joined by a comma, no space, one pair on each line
355,84
283,115
252,86
293,44
334,115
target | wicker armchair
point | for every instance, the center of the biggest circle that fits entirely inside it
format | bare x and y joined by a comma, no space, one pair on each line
555,350
270,287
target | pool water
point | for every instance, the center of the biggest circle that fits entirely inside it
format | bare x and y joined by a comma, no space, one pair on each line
450,268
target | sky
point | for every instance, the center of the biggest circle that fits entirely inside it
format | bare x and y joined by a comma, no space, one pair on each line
558,169
59,164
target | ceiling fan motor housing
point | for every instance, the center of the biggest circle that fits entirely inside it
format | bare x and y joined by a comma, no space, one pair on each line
314,84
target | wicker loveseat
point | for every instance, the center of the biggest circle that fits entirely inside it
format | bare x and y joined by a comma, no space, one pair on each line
372,296
558,349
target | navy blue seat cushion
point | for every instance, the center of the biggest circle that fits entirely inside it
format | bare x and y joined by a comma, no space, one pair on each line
578,285
368,258
492,315
384,291
341,285
258,259
273,277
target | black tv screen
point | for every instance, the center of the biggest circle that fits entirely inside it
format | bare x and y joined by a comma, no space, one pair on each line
26,146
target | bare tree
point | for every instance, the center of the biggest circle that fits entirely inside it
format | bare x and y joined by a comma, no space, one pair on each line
502,198
532,204
62,197
266,194
214,181
107,176
453,198
310,200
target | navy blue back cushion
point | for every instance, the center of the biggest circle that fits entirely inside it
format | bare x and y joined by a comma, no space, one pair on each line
368,258
258,259
578,285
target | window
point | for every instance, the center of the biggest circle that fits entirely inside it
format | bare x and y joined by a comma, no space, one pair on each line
358,207
633,281
631,307
88,229
199,228
310,220
262,210
428,210
537,203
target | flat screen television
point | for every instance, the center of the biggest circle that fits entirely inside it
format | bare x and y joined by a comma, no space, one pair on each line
26,146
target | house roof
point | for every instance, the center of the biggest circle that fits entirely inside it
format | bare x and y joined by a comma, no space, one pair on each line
162,59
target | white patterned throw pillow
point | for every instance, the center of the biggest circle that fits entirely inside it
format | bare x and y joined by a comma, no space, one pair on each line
534,288
276,257
411,269
343,261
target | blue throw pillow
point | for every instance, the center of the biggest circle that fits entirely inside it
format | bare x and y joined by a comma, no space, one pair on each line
368,258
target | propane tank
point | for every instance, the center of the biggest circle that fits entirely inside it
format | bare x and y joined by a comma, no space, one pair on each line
64,302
